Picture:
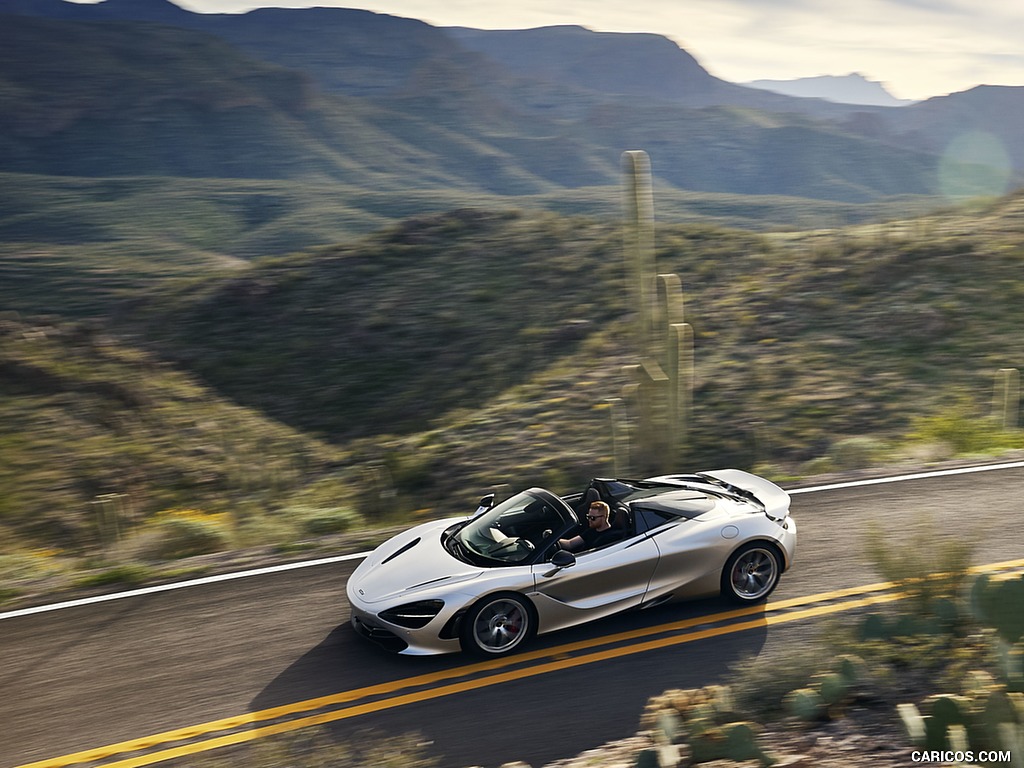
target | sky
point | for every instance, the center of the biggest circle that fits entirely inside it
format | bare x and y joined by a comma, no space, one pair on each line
916,48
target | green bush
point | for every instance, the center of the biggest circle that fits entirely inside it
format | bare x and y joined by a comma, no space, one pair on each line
29,564
129,573
320,521
857,452
821,465
927,565
262,530
760,685
966,430
184,535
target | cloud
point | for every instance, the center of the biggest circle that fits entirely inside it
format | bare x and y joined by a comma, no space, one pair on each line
919,48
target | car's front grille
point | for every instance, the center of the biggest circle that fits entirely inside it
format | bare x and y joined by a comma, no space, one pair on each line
383,637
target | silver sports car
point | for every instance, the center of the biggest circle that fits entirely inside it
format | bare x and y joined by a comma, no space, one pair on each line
488,583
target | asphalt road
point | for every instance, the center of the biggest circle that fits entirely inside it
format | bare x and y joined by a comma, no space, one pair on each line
80,678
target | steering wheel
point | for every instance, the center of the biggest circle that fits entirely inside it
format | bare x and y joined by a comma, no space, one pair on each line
513,542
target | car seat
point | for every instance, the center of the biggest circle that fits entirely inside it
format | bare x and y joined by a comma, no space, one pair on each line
589,497
622,518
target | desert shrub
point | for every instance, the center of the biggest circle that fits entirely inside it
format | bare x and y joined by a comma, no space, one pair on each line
16,566
966,430
128,573
186,533
410,470
29,564
759,684
261,530
324,520
857,452
821,465
926,564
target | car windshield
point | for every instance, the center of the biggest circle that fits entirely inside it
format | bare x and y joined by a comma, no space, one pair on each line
513,530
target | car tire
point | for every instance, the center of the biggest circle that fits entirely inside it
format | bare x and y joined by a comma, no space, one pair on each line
497,624
751,573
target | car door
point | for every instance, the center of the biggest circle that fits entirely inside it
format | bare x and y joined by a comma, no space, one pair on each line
601,582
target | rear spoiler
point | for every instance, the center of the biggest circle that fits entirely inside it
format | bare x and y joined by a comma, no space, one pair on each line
774,500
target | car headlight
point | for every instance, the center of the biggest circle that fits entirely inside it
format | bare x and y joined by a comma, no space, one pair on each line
413,615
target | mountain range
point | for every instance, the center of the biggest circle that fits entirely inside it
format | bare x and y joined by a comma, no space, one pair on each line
377,102
853,88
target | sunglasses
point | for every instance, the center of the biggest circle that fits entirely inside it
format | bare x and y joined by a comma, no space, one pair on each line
594,517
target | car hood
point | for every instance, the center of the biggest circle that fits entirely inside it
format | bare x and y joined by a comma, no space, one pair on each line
408,563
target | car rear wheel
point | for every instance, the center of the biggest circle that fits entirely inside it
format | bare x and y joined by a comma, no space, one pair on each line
751,573
496,625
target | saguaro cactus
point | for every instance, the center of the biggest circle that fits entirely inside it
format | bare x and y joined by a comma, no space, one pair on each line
1006,398
660,389
638,201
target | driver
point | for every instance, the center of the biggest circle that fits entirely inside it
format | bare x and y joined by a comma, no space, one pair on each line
597,532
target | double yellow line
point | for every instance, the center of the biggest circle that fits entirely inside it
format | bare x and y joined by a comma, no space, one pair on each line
191,740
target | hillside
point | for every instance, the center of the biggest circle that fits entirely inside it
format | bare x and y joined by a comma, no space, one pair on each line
397,105
506,324
978,122
428,315
88,418
128,98
410,371
76,246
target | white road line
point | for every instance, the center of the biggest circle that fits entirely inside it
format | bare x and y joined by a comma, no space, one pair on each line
901,478
181,585
361,555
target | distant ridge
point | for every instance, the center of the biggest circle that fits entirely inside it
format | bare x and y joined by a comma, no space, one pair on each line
137,10
391,103
610,62
641,66
846,89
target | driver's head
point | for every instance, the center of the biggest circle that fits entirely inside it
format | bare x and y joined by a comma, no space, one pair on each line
597,515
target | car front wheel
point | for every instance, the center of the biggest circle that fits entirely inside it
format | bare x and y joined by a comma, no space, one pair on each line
496,625
751,573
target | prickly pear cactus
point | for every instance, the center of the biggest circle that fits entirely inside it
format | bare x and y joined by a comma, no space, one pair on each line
741,743
1011,665
832,688
913,723
698,726
805,704
985,718
851,669
1000,604
874,626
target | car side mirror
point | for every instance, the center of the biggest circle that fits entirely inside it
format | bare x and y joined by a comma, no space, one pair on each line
485,503
561,559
